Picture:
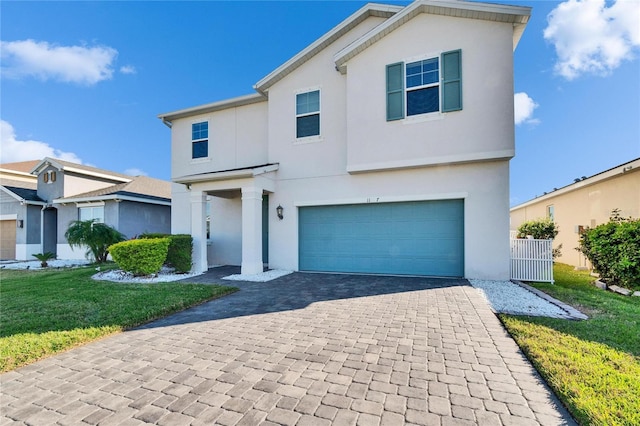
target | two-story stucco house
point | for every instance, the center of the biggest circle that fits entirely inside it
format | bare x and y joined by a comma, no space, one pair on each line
383,147
39,199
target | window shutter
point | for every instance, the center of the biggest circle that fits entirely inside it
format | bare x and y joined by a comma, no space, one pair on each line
395,91
452,81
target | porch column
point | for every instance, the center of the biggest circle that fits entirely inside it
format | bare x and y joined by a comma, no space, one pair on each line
199,231
251,231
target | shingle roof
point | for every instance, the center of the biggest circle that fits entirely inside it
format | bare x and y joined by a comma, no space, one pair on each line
140,186
69,166
25,194
21,166
19,183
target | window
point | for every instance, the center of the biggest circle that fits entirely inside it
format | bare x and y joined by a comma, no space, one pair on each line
308,114
200,140
92,213
550,213
425,86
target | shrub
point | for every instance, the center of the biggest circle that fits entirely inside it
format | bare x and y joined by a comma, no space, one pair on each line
44,258
180,248
540,229
613,249
140,257
95,235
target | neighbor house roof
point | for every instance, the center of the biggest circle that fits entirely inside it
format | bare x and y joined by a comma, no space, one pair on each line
25,193
79,168
632,166
24,167
31,184
141,188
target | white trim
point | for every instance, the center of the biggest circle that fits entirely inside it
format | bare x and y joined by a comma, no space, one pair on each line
232,174
308,139
116,197
431,161
214,106
12,216
383,199
90,204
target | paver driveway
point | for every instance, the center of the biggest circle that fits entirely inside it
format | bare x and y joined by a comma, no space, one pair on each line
305,349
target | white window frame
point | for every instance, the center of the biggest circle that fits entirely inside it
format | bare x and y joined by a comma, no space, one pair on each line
92,206
312,138
208,139
427,115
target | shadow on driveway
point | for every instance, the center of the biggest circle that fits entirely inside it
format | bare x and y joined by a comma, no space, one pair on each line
293,291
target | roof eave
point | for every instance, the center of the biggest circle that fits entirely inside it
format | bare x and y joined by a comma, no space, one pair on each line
517,15
115,197
370,9
226,175
213,106
632,166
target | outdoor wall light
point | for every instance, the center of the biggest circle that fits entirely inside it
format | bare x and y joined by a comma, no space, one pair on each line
20,223
279,211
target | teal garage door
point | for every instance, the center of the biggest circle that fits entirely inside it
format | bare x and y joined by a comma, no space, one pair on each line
408,238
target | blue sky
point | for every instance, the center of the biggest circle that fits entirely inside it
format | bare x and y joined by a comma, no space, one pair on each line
85,81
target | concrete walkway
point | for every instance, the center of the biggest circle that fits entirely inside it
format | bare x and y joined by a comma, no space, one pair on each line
305,349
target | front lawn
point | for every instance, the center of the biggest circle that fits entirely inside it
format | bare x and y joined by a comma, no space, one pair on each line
49,311
593,365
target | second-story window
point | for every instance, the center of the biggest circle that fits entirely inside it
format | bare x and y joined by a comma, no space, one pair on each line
200,140
423,87
308,114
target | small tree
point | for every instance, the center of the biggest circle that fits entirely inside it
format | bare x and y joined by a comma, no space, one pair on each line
44,258
96,236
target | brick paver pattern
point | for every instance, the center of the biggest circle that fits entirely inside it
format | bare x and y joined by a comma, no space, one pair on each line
432,356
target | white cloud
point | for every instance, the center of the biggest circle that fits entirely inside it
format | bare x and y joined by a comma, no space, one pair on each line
591,38
13,150
128,69
135,172
69,64
523,109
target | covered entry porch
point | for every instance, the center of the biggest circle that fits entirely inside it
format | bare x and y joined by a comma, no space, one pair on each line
246,188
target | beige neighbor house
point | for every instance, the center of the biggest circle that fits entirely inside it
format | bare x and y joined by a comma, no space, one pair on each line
38,200
587,202
383,147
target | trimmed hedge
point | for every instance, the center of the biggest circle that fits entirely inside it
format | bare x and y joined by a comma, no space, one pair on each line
540,229
140,257
180,248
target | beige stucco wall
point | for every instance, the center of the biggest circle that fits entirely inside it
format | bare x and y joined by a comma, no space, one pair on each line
237,138
484,128
584,204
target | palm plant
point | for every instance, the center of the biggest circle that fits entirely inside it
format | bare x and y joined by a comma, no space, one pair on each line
44,258
96,236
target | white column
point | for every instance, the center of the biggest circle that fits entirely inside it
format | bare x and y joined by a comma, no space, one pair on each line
199,231
251,230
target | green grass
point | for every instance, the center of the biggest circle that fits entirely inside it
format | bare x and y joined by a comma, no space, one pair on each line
46,312
593,365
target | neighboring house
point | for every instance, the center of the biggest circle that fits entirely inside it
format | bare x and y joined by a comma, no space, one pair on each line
586,203
20,209
385,146
53,193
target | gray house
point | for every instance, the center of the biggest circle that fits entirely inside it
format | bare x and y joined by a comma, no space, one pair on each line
36,207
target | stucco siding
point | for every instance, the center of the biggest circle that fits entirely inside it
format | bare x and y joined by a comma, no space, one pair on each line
237,138
225,244
484,187
33,224
313,156
484,127
587,206
137,218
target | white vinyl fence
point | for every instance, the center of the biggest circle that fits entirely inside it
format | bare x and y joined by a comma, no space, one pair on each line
531,260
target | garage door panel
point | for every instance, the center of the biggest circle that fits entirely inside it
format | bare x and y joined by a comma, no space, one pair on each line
422,238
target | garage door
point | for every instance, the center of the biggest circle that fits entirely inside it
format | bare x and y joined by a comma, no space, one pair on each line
7,239
409,238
